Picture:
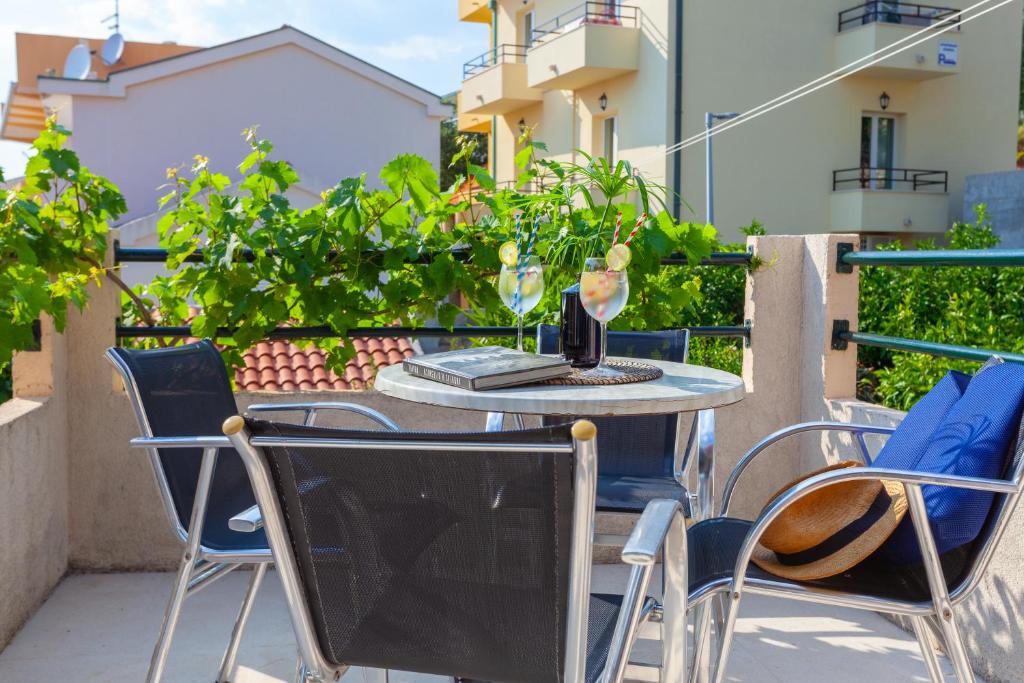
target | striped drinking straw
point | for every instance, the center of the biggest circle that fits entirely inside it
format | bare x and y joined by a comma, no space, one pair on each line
639,222
618,227
521,267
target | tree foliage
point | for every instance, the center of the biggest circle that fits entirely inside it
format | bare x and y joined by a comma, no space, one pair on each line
395,248
53,238
977,307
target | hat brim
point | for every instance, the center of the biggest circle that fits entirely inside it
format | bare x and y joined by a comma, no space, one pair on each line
851,554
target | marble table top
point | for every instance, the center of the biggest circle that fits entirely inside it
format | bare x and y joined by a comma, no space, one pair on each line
682,388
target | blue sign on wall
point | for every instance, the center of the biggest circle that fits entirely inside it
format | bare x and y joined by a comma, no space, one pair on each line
949,54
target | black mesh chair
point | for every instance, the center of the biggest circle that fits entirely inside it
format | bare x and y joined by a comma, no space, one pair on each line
925,593
184,392
461,555
638,454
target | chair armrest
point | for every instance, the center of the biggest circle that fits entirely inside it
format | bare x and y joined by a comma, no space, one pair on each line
661,526
859,430
247,521
644,543
311,410
180,442
910,479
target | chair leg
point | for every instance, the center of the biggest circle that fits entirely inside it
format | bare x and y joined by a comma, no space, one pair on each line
227,664
300,671
718,613
187,568
163,643
725,638
955,649
924,640
699,671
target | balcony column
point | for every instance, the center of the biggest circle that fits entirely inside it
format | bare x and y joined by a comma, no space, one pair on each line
790,371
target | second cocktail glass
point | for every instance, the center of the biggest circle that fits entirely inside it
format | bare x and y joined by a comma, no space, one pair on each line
604,293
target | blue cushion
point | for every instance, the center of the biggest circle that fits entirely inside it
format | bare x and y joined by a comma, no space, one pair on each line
905,448
972,439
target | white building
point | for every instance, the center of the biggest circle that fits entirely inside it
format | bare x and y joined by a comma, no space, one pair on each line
331,115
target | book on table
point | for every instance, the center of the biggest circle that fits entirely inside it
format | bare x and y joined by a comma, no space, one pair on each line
486,367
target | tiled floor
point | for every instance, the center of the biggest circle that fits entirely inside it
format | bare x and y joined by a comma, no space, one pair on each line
102,627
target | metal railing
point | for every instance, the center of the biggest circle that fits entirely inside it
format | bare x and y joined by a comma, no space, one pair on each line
892,12
506,53
157,255
847,258
875,178
606,13
318,332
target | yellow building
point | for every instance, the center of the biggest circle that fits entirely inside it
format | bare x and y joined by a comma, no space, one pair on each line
882,152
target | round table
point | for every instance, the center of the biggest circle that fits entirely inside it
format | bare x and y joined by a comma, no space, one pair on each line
681,389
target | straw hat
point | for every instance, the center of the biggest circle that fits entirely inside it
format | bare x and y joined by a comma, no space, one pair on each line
832,529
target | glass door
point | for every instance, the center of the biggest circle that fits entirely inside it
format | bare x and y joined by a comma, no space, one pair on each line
877,151
611,139
527,30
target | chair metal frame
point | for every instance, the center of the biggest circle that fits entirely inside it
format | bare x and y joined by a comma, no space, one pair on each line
934,617
642,552
700,442
200,566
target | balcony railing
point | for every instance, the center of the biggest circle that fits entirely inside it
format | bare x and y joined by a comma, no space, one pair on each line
847,258
505,53
872,178
606,13
911,14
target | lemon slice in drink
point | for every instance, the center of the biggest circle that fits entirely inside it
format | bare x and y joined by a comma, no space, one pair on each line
618,257
508,253
532,282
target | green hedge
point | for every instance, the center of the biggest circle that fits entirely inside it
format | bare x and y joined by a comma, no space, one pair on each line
978,307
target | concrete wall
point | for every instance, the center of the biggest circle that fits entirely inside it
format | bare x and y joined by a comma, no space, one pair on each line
34,512
1003,195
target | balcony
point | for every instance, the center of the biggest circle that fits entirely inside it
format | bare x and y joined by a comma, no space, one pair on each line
471,123
889,200
101,626
875,25
476,11
495,82
591,43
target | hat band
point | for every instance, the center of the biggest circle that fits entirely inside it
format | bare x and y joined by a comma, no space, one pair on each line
842,538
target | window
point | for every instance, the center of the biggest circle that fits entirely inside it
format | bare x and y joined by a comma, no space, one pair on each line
877,151
611,139
528,28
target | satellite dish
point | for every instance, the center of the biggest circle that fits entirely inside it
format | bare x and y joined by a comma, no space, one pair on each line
112,49
77,64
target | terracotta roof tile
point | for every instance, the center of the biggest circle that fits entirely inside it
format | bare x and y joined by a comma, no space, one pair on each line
283,366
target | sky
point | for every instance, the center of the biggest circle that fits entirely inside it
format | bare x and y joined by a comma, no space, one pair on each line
419,40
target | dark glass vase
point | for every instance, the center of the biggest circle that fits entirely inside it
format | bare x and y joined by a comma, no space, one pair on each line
579,338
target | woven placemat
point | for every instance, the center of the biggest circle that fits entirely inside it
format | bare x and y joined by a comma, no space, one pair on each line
633,371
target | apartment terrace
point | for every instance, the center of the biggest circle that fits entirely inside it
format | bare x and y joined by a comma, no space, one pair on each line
88,549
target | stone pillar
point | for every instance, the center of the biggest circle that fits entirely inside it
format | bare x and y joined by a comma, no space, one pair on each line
41,373
116,519
771,372
828,374
789,369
